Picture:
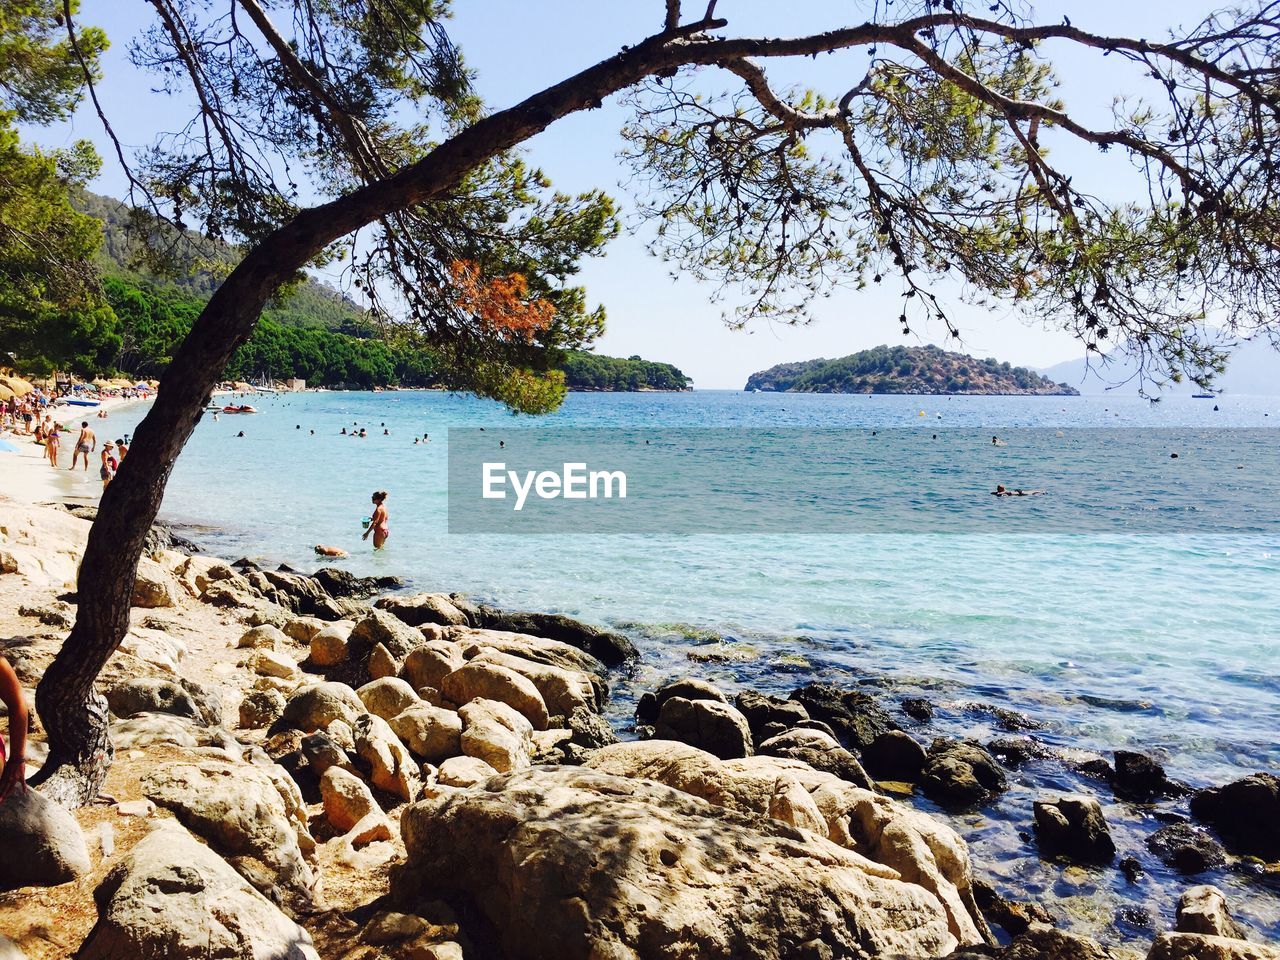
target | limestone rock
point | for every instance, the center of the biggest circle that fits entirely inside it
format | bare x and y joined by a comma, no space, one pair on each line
269,663
265,636
1246,813
588,729
429,732
323,752
347,800
1205,910
181,697
424,608
856,718
303,629
153,587
598,866
496,734
959,773
261,708
391,767
329,646
387,697
537,649
709,725
1197,946
8,949
239,810
172,897
428,665
380,627
1186,849
481,680
764,711
382,663
1074,827
820,751
562,690
315,707
464,772
610,648
42,844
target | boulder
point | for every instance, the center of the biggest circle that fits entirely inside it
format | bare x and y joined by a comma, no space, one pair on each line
391,768
588,729
596,866
562,690
1045,943
496,734
429,732
611,649
343,584
380,627
180,697
856,718
537,649
265,636
1075,828
323,752
1197,946
315,707
347,800
429,664
709,725
1186,849
382,663
153,587
269,663
1142,779
261,708
424,608
329,646
172,897
1015,917
1246,813
894,756
303,629
238,808
1205,910
820,751
960,773
482,680
761,711
464,772
387,697
42,844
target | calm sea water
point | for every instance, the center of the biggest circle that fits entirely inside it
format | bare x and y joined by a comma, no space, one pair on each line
1168,644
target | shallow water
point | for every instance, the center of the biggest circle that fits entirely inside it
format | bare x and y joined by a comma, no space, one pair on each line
1161,643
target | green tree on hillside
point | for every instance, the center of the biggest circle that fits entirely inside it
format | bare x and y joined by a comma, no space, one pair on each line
51,309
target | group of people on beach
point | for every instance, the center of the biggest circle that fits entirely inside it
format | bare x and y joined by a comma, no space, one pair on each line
49,432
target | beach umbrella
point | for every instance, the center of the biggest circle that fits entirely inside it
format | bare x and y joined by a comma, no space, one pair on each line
241,386
19,386
100,383
6,394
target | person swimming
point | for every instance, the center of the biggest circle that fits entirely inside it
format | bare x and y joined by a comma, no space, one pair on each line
378,523
1001,491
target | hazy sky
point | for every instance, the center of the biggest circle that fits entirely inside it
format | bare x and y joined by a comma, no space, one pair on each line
519,46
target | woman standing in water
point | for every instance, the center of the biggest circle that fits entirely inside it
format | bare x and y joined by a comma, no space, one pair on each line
378,522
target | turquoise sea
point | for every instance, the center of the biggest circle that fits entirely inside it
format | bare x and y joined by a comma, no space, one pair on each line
1165,643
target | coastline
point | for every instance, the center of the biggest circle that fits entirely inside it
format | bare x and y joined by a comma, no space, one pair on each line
211,633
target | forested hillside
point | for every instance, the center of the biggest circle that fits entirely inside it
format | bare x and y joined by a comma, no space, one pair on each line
590,371
924,370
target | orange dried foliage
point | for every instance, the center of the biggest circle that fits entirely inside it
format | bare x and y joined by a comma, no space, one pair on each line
500,304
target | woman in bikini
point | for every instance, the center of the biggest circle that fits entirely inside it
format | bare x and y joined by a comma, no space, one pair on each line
13,768
51,445
378,522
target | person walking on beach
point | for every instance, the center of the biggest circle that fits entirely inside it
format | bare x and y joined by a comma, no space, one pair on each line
51,445
13,767
378,522
86,443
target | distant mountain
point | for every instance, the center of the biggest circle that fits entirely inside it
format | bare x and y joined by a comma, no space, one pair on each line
1254,368
921,370
204,264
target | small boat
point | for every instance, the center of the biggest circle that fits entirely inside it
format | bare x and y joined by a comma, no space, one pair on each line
83,403
238,408
1204,396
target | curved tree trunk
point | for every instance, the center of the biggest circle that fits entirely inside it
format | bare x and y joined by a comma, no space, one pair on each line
72,713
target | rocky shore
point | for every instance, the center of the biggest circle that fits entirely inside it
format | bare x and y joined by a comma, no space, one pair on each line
319,765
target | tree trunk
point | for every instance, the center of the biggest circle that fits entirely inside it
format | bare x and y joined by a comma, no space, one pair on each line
72,713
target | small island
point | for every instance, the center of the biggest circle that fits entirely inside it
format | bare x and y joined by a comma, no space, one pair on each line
919,370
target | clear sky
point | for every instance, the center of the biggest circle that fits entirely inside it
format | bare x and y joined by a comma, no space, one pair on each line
519,46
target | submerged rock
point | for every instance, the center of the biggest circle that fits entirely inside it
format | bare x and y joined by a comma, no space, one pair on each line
41,844
1186,849
599,864
856,717
960,773
894,756
1246,813
1013,916
1074,827
173,897
1141,778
